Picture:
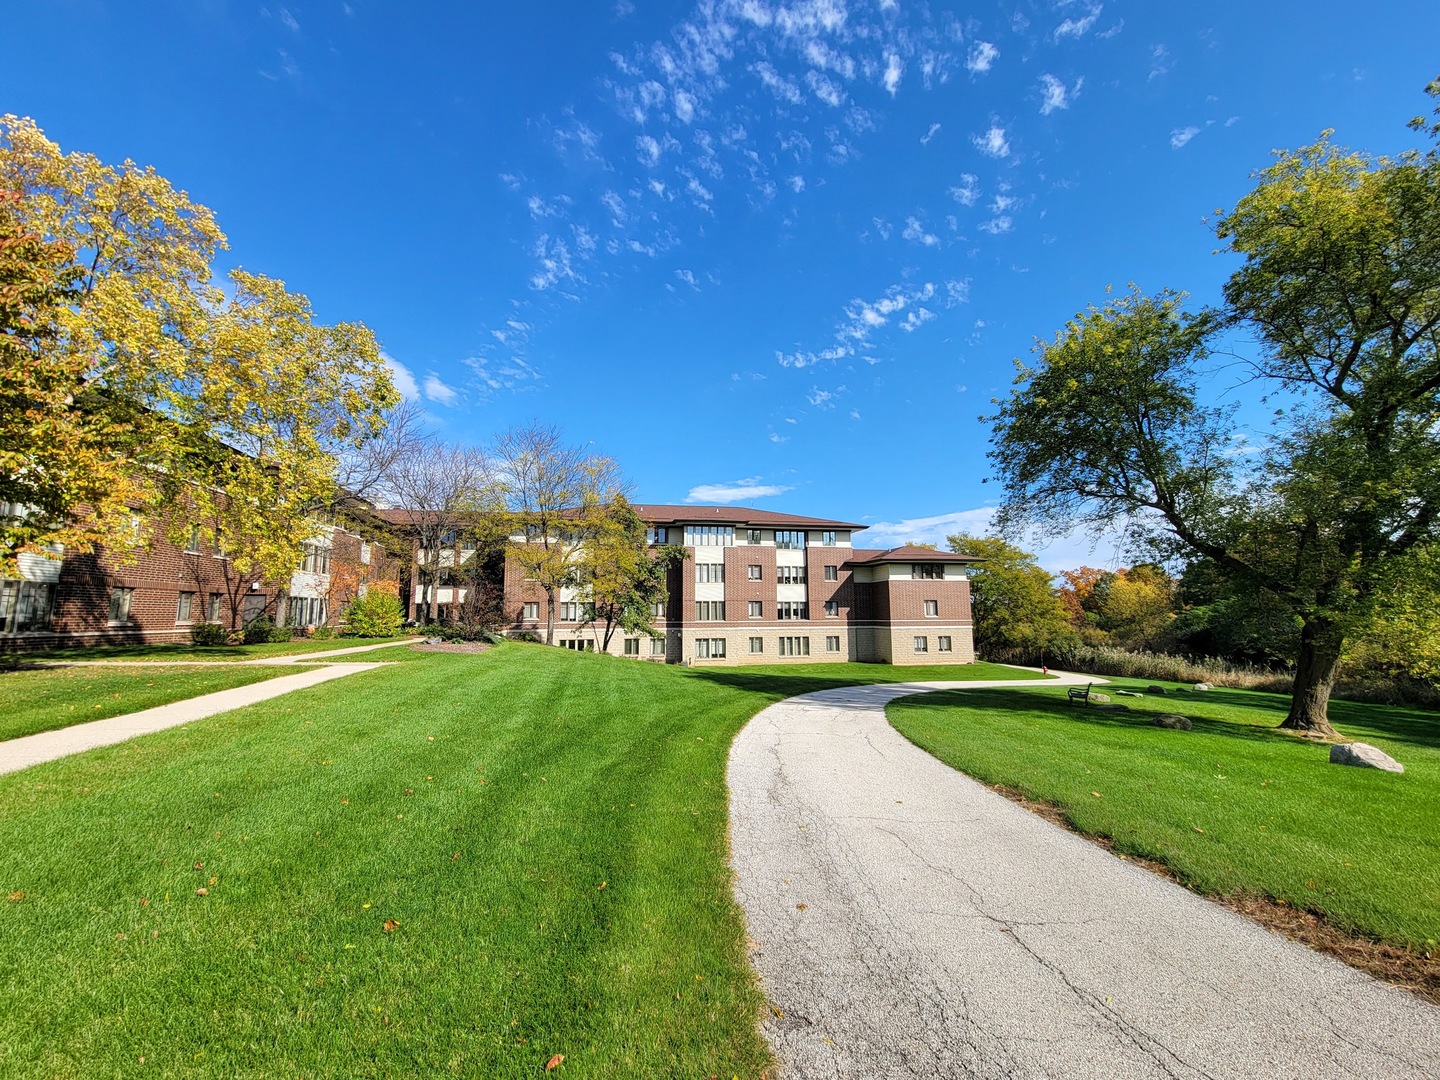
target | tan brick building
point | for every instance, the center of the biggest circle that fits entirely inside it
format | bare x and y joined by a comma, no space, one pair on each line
762,587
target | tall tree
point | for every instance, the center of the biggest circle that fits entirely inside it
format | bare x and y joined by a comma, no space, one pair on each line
620,576
177,375
1340,285
1012,600
555,494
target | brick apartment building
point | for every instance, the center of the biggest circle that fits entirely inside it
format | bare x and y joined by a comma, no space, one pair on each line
163,589
764,587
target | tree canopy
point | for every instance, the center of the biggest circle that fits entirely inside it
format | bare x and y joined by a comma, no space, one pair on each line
1340,288
1012,600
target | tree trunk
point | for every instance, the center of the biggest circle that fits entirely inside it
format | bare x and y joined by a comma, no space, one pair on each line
1315,670
549,616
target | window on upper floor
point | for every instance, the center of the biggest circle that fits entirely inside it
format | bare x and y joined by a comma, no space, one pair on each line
792,609
927,571
752,536
832,609
756,609
709,535
789,539
753,573
790,575
832,573
932,609
709,573
710,610
192,541
531,612
657,535
827,538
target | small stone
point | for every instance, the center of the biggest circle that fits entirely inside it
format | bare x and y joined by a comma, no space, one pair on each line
1365,756
434,641
1154,690
1203,686
1173,722
1099,697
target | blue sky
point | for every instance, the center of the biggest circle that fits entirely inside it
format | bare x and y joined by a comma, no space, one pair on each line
776,253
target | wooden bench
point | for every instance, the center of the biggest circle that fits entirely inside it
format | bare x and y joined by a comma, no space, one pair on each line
1075,694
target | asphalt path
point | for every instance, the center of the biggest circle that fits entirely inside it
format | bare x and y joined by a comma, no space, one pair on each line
906,921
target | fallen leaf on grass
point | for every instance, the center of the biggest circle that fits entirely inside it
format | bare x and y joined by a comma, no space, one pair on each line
409,791
202,891
391,925
144,902
213,880
602,885
1197,828
16,896
455,856
344,802
1097,794
779,1013
199,866
554,1062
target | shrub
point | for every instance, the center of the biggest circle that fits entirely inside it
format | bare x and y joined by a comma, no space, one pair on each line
323,633
282,633
376,614
209,633
257,631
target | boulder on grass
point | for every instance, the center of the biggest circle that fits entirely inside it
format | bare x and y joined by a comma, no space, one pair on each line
1173,722
1099,697
1365,756
1154,690
1203,686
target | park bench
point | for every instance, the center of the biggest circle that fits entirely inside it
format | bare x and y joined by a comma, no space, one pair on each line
1075,694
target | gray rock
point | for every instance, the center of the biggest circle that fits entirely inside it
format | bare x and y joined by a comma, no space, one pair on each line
1365,756
1099,697
1154,690
434,641
1173,722
1203,686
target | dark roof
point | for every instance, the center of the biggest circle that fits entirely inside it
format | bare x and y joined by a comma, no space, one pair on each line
910,553
735,515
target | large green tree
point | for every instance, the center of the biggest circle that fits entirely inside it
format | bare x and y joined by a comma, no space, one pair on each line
1340,288
621,577
1012,598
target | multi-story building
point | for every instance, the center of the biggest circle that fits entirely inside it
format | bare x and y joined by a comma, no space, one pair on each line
764,587
159,590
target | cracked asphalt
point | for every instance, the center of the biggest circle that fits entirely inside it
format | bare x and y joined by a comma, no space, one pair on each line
909,922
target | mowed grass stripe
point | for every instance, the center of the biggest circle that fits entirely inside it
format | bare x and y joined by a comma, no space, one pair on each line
33,700
1232,806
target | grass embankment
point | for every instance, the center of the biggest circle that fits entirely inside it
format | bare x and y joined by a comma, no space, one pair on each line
1232,807
44,699
543,833
177,653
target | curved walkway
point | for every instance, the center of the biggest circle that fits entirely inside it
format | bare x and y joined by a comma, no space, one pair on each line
909,922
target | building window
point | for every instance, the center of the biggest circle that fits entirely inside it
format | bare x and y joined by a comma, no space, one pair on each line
794,646
219,542
752,536
185,608
657,646
212,607
192,542
832,643
120,605
944,645
932,609
532,612
316,560
790,575
709,535
832,573
632,646
569,611
365,553
789,539
25,605
754,573
659,535
927,571
657,609
792,609
709,573
827,538
757,609
832,609
710,610
757,645
710,648
922,644
579,645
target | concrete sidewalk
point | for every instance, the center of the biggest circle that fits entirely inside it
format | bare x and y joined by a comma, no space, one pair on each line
909,922
30,750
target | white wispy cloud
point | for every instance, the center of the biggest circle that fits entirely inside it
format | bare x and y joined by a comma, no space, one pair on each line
289,21
688,277
825,88
797,183
1078,27
1180,136
925,139
1159,62
916,233
1054,95
737,490
915,319
931,529
402,377
894,71
435,390
993,142
982,55
997,225
968,190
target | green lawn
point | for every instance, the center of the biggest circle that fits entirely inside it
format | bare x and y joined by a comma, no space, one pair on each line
1233,805
546,830
191,653
43,699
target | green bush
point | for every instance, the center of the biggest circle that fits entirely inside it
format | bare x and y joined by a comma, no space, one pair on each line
258,631
323,633
209,633
376,614
282,633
